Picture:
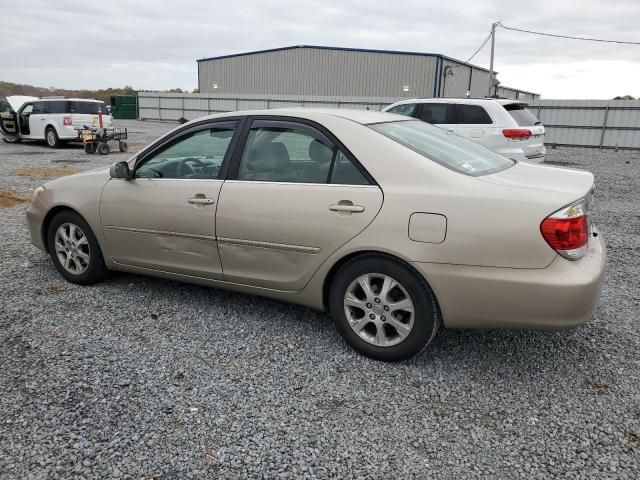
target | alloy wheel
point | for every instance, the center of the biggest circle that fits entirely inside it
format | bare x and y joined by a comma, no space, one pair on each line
379,309
72,248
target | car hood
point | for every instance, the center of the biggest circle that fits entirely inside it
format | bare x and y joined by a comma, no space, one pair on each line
95,176
17,101
573,184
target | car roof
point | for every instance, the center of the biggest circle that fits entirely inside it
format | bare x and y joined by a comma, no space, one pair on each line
475,101
363,117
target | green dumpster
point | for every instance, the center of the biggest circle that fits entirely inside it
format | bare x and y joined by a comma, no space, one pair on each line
124,106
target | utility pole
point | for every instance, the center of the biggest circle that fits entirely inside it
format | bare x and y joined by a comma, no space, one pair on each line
493,44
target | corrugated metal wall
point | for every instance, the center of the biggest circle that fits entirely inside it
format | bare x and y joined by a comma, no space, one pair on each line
589,123
173,106
308,70
592,123
313,71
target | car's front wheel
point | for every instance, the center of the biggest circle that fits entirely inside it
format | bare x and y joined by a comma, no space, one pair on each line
51,136
74,249
383,308
14,139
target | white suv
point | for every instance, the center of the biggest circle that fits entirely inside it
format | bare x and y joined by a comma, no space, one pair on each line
52,119
505,126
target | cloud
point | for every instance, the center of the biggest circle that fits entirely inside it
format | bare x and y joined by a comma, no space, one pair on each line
153,45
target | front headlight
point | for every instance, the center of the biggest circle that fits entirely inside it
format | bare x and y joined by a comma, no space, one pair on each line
36,193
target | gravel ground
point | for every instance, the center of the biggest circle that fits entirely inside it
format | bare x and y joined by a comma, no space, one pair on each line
145,378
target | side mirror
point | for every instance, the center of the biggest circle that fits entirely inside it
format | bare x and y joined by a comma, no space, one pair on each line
120,170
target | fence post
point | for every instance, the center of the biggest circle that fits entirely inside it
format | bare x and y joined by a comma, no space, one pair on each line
159,109
182,99
604,126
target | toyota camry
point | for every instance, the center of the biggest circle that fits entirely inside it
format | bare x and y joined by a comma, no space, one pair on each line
394,226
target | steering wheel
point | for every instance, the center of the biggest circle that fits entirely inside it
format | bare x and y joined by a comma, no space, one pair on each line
184,169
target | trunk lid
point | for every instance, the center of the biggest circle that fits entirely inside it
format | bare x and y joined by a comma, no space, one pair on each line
564,182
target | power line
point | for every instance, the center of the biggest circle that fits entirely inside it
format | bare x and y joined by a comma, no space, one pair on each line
474,53
567,36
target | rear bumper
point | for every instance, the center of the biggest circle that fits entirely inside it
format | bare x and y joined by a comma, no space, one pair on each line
517,153
561,296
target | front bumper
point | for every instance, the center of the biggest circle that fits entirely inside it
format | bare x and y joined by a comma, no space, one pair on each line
561,296
35,217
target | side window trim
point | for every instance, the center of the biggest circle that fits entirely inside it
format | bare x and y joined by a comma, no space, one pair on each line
234,164
184,134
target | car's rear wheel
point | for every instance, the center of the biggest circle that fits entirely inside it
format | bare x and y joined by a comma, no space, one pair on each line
74,249
383,308
51,136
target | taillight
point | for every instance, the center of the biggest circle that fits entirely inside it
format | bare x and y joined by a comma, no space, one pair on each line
67,121
567,230
516,132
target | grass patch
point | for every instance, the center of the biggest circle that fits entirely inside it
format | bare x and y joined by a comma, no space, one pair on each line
48,172
9,198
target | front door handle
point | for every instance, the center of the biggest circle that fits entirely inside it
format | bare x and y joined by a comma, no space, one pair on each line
346,206
201,201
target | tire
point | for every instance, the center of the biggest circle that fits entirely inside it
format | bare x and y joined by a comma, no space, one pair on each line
123,146
89,148
51,137
11,139
103,148
82,272
404,334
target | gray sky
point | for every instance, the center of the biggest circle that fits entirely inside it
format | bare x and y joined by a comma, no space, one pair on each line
154,45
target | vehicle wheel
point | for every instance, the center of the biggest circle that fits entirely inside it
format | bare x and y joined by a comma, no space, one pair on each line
384,309
123,146
74,249
90,148
103,148
11,139
52,137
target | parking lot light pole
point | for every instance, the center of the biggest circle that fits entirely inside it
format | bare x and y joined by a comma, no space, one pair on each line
493,44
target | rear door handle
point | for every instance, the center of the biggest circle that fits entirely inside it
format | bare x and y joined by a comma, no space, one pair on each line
346,206
201,201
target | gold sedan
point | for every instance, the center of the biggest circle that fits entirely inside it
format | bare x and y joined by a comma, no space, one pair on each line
392,225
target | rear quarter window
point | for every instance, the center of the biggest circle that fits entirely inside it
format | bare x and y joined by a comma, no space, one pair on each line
522,115
88,108
472,115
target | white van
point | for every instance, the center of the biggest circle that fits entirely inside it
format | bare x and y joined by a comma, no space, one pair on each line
507,127
54,120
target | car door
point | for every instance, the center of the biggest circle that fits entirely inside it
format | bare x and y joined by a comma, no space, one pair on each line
38,120
474,123
293,197
440,114
164,217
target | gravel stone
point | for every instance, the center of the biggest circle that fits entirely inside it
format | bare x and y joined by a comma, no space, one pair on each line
146,378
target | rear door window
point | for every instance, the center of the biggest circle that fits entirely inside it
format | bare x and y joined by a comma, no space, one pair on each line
472,115
522,115
438,113
407,109
58,107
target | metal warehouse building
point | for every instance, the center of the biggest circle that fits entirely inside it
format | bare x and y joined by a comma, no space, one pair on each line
308,70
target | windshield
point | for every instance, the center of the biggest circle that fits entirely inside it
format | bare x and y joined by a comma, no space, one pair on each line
522,115
445,148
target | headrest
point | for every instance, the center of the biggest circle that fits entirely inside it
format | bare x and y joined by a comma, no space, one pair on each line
319,152
273,156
